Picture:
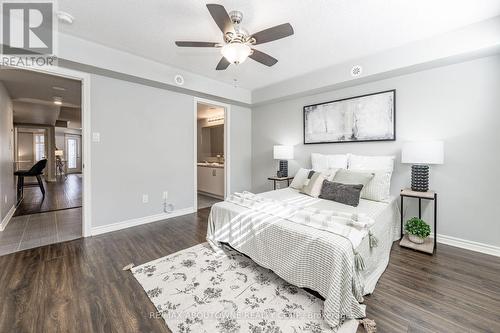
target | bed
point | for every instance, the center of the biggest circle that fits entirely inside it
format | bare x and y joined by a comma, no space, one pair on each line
311,257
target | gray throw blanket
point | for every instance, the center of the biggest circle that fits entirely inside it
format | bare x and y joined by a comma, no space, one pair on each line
303,255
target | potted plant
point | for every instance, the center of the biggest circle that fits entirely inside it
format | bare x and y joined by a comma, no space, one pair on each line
417,230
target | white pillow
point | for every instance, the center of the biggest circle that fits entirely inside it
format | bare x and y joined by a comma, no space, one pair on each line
322,162
300,178
359,162
313,187
378,189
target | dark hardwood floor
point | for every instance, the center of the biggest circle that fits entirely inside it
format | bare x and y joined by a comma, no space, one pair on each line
62,194
79,286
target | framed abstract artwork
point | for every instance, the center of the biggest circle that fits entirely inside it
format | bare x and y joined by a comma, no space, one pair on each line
370,117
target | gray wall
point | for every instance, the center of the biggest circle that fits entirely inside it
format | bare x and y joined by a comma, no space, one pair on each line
240,131
7,185
459,104
146,147
147,142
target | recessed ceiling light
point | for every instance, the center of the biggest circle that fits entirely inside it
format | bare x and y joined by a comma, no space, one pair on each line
59,88
57,100
65,17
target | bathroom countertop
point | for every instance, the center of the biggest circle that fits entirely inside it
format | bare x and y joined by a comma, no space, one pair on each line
211,165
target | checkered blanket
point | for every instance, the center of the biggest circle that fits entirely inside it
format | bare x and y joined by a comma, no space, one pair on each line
301,252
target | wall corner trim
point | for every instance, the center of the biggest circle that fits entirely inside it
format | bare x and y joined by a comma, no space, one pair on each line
140,221
7,218
469,245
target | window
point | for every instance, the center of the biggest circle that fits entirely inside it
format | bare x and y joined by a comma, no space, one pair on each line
39,147
72,153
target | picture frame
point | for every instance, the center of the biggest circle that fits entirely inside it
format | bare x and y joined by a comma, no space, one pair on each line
364,118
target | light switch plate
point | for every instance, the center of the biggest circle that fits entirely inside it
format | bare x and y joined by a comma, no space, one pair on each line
145,198
96,137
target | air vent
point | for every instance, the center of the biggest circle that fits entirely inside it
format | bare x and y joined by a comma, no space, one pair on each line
62,123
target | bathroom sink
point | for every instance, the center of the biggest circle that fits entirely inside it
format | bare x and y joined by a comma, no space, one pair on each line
210,164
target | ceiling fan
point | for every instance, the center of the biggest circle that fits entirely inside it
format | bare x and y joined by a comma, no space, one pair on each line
238,43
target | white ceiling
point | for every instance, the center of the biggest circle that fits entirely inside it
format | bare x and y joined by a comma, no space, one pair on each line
32,95
327,32
34,113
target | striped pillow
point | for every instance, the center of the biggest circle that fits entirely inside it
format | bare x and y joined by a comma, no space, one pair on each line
378,189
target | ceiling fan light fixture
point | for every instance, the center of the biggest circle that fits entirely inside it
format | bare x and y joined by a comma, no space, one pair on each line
236,53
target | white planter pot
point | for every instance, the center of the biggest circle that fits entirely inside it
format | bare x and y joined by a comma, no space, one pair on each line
416,239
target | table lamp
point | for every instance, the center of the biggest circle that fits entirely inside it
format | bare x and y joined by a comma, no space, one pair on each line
283,154
421,154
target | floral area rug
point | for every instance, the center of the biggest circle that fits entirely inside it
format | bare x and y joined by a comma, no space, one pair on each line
197,290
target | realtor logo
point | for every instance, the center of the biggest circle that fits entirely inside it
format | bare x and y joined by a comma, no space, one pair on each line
27,28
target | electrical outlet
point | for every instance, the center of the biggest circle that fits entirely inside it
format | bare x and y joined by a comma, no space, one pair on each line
165,195
145,198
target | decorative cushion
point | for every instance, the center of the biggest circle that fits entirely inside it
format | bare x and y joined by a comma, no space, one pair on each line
353,177
313,187
300,178
322,162
343,193
378,189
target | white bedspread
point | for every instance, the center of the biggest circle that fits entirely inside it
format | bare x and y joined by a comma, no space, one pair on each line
309,257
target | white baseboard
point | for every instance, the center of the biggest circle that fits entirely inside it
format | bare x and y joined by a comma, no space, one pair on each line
7,218
469,245
139,221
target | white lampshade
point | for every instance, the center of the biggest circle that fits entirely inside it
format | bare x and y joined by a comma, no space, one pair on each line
423,152
236,53
283,152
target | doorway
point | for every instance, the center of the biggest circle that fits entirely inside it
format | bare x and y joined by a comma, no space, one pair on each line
211,153
47,122
73,154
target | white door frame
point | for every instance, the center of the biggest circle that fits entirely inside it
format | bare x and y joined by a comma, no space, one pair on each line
84,78
227,145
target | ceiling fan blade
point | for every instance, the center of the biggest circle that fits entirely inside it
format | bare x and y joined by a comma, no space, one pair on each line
221,17
263,58
223,64
274,33
196,44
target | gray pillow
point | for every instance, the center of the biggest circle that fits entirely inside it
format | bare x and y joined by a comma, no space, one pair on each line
353,177
344,193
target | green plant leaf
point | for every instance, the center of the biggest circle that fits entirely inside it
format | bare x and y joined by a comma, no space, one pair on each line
417,227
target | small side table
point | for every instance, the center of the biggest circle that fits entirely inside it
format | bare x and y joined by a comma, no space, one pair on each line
429,246
280,179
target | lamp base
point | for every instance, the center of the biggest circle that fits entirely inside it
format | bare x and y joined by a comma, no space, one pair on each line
283,171
420,178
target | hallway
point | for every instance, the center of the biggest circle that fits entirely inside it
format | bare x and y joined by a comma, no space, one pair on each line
62,194
30,231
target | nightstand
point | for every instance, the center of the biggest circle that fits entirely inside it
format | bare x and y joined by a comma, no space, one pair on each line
430,245
280,179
